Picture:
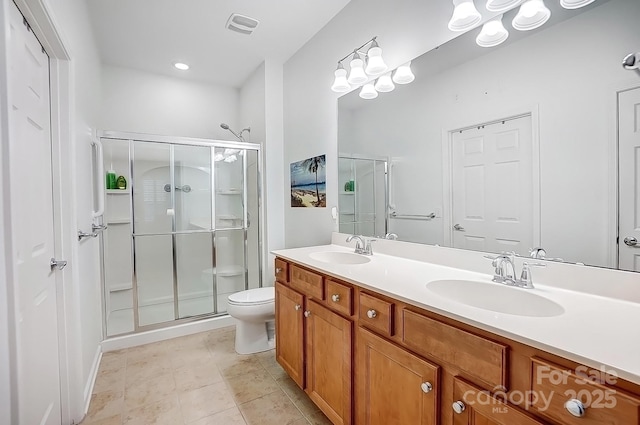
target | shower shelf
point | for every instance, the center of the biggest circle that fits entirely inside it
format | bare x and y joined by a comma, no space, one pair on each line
117,287
118,191
229,192
225,271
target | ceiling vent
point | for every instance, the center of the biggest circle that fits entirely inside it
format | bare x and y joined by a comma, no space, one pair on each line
241,23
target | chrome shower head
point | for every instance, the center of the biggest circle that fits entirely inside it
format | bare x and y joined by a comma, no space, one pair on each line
226,127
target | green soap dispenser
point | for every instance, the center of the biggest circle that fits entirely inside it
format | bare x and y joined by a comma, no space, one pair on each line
111,180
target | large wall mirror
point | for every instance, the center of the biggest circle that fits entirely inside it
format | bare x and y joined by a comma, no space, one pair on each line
534,143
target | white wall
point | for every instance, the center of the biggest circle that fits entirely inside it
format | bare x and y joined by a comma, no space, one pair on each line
574,125
142,102
405,29
252,106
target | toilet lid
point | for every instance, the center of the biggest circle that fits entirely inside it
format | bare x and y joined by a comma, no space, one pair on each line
254,296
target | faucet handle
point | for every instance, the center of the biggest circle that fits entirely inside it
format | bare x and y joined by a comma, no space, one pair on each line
525,276
367,246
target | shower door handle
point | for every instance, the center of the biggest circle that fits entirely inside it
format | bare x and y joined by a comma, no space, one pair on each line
57,264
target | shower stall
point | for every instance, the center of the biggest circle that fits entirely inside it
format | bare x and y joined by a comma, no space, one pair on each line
183,228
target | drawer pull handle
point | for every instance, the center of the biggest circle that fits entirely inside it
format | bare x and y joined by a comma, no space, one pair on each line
575,407
298,307
335,298
371,314
426,387
307,313
278,270
458,407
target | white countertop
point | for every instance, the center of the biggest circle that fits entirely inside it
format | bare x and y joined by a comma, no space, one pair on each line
597,331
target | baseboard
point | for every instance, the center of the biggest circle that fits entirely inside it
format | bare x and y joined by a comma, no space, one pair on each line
156,335
91,380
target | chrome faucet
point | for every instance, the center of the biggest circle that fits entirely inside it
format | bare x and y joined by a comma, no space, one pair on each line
391,236
505,271
363,245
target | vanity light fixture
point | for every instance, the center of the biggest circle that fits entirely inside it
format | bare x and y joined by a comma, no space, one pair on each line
501,5
384,83
181,66
465,15
575,4
368,91
493,33
366,64
403,74
532,14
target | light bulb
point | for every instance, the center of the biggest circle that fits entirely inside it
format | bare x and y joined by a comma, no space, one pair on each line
357,75
181,66
384,83
368,91
375,64
501,5
340,83
532,14
403,74
465,16
493,33
575,4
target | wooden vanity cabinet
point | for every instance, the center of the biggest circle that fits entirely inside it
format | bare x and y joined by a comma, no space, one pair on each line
370,359
394,386
313,343
474,406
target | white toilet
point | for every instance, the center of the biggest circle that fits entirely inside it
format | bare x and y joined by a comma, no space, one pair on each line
254,311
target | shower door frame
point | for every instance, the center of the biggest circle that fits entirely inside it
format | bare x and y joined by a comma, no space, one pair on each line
196,142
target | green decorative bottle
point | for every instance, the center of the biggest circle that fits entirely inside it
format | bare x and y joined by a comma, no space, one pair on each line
111,180
121,183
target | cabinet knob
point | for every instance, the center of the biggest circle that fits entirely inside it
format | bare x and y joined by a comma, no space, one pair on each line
298,307
307,313
335,298
426,387
575,407
278,270
458,407
371,314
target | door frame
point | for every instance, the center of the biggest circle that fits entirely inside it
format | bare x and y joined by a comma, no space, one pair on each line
40,18
613,201
478,119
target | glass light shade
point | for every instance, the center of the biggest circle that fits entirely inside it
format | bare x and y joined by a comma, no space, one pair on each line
384,83
340,83
575,4
403,74
465,16
493,33
532,14
368,91
501,5
357,75
375,64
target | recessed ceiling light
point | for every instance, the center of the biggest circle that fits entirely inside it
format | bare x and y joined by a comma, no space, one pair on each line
181,66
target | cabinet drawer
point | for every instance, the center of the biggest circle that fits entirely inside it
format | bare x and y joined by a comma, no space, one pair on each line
305,281
339,297
552,386
477,356
282,271
376,314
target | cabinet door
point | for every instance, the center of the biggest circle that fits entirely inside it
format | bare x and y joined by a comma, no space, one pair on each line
329,362
473,406
394,386
290,332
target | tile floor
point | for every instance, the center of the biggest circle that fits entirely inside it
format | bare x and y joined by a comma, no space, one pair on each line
200,380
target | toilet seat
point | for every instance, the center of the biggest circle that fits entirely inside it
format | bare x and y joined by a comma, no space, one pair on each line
257,296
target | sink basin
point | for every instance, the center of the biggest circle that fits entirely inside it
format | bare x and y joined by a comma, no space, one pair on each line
336,257
496,297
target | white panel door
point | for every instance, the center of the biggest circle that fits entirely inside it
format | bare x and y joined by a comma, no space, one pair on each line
32,227
492,187
629,179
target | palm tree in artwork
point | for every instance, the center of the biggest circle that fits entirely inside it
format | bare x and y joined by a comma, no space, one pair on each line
312,165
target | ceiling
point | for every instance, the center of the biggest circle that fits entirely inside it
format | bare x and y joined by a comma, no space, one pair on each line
151,35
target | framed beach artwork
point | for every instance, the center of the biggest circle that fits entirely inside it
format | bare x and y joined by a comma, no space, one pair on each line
308,186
